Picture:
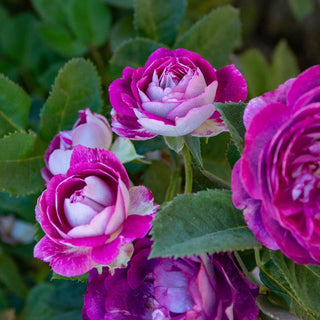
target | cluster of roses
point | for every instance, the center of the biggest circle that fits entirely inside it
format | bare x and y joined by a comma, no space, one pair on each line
93,217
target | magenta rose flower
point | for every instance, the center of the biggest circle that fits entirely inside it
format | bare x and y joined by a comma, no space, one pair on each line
173,95
164,289
91,215
91,130
277,180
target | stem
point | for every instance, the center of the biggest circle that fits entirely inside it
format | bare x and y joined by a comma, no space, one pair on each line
175,178
188,169
257,257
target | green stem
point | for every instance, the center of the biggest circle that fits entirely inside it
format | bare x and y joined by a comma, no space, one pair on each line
188,169
257,257
175,181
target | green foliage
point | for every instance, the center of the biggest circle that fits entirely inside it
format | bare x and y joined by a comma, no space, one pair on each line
134,52
214,36
197,223
232,114
14,106
10,276
19,167
301,8
76,87
159,20
300,282
90,21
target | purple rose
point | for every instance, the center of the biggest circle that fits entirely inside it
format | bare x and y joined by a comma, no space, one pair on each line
91,130
277,180
203,289
173,95
164,289
91,215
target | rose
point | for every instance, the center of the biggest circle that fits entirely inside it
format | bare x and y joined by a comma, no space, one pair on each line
127,294
91,215
277,179
203,289
91,130
163,288
173,95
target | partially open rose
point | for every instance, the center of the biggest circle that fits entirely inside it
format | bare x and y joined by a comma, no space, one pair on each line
277,180
91,130
173,95
91,215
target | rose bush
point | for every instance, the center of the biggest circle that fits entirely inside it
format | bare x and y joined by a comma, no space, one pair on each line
173,95
91,215
91,130
164,288
277,180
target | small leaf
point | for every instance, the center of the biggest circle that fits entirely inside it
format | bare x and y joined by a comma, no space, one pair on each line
14,106
10,276
198,223
301,8
135,52
76,87
274,312
19,168
61,40
159,20
232,115
284,65
52,11
256,71
122,31
124,150
214,36
193,144
174,143
90,20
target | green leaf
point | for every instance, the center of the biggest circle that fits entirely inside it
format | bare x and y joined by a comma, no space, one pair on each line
157,178
122,31
10,276
301,8
14,106
159,20
273,311
284,65
174,143
197,223
256,71
76,87
36,302
124,150
134,52
61,40
193,144
90,20
214,36
300,282
232,115
19,167
52,11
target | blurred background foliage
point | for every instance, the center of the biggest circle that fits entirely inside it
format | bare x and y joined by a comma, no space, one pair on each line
268,40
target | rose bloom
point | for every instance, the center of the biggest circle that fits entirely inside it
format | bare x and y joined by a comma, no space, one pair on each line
91,130
91,215
173,95
277,180
163,289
